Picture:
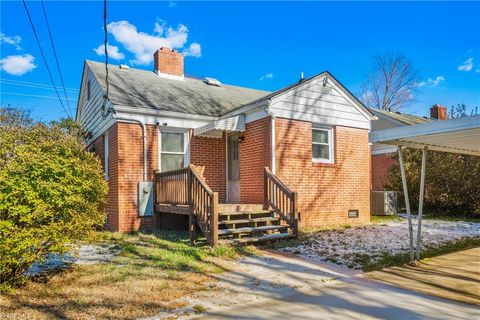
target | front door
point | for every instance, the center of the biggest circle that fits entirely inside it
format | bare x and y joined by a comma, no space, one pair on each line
233,168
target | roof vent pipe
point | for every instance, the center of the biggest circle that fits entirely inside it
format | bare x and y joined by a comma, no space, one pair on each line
301,77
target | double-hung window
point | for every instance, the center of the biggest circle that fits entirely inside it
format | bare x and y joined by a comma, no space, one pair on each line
322,145
172,151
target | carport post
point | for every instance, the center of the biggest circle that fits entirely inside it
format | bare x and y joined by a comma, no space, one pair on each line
420,202
407,201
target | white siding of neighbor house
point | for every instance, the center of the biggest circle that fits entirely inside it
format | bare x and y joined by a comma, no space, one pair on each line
316,103
90,110
380,124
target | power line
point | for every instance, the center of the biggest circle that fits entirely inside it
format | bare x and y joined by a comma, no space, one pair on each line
35,96
105,44
6,82
55,54
43,56
36,84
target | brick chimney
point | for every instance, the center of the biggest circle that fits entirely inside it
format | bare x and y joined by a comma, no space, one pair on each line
168,63
438,112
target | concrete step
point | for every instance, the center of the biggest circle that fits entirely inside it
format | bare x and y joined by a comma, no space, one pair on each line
269,237
243,221
235,207
252,229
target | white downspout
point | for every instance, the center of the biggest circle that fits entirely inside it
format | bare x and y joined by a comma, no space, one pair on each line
272,141
144,137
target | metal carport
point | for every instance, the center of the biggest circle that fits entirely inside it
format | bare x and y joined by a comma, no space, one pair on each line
459,135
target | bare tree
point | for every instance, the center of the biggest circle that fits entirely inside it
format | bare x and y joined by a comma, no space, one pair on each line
391,84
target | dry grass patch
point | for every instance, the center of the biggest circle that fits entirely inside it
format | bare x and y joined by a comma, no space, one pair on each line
150,273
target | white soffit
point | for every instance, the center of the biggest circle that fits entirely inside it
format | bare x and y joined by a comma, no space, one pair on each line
215,128
459,135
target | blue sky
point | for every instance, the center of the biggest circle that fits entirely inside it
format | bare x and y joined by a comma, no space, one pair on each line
260,45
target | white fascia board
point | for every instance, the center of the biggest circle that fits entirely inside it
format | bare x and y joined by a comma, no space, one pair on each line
177,122
423,129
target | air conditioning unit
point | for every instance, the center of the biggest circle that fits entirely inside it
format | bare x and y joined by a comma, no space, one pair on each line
384,203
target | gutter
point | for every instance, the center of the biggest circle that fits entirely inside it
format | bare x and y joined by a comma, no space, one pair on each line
272,138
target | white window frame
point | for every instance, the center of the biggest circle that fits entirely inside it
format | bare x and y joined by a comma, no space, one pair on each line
186,145
330,144
106,155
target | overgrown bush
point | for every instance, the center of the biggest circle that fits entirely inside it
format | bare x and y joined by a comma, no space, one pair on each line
51,191
452,182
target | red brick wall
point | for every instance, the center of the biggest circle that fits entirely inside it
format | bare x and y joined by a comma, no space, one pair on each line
325,191
254,156
209,155
381,164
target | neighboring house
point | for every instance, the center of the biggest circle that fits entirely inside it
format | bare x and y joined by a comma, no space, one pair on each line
383,155
313,135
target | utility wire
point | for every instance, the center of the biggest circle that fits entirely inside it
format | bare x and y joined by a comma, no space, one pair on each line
7,82
55,54
105,44
43,56
34,95
37,84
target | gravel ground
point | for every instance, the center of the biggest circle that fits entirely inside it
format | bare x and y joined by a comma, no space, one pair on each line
345,246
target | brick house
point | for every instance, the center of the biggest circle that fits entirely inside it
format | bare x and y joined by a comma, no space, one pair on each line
312,136
383,155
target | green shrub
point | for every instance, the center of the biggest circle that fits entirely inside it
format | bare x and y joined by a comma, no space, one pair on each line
451,182
51,191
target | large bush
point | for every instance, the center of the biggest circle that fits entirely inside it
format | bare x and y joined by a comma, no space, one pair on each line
452,182
51,191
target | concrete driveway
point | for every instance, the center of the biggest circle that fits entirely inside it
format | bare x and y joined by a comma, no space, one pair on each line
283,286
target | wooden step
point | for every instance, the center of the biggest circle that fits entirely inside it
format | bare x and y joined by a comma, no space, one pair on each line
241,221
239,213
234,207
231,216
251,229
269,237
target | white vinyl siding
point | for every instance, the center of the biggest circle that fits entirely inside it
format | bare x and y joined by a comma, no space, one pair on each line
324,104
322,145
173,147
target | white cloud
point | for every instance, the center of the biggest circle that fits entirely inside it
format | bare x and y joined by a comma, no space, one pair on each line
14,40
432,82
194,50
266,76
17,65
466,66
113,52
142,45
172,4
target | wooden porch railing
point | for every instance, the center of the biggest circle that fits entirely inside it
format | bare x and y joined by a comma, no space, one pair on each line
186,187
281,199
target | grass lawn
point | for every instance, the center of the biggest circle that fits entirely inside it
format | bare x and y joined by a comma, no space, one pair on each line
150,272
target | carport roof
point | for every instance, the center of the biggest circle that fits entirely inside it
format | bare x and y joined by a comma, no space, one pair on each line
459,135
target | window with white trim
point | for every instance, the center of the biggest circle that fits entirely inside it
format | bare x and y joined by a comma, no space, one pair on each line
173,147
322,145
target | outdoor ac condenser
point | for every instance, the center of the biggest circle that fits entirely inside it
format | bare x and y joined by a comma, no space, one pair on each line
384,203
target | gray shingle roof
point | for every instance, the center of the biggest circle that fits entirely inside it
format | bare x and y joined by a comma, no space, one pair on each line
144,89
405,118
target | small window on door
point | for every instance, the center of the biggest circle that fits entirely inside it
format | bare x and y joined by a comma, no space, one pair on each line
172,150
